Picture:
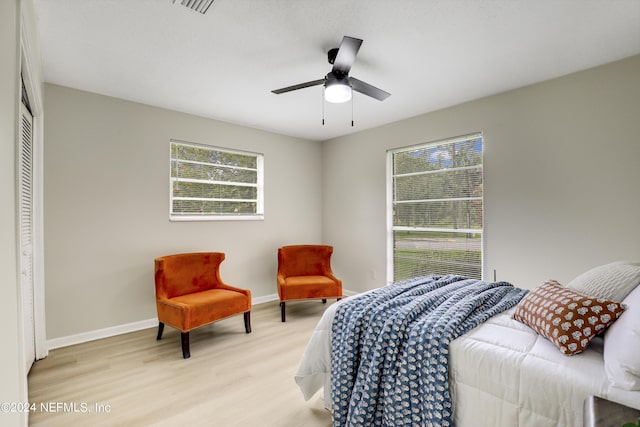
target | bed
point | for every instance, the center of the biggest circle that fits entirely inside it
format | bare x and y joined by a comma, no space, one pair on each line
504,373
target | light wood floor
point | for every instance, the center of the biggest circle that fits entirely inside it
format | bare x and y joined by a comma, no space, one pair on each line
231,379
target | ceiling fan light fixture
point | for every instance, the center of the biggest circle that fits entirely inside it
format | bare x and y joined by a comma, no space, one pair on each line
337,91
338,86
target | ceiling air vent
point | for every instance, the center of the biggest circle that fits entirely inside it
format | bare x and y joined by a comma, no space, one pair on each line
198,5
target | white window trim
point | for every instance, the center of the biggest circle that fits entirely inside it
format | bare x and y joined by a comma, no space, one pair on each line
258,216
389,188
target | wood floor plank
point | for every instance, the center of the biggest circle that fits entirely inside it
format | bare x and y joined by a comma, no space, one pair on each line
231,379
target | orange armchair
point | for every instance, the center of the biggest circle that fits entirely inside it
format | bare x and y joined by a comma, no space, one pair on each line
304,272
190,294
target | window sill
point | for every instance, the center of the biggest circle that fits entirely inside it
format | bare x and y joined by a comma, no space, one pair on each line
216,218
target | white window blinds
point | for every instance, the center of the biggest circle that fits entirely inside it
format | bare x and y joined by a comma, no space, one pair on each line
210,183
436,210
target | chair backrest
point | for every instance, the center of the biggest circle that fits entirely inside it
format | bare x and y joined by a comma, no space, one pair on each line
182,274
304,260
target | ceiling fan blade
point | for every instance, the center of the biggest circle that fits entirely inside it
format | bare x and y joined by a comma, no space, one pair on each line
346,55
367,89
299,86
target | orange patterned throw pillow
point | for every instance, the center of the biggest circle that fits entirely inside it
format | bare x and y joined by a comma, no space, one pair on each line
567,318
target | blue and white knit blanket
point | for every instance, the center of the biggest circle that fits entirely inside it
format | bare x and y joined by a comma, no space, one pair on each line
389,357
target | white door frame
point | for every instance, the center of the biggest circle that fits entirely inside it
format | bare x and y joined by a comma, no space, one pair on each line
31,74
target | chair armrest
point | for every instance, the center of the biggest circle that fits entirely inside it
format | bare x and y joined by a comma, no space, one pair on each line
330,275
281,279
172,304
222,285
173,313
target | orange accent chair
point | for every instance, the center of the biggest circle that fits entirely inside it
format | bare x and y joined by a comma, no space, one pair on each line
190,294
304,272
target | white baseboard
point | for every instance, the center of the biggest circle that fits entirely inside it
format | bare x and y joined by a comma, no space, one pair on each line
124,329
349,293
101,333
266,298
274,297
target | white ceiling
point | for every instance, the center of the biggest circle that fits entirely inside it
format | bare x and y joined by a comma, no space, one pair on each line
428,54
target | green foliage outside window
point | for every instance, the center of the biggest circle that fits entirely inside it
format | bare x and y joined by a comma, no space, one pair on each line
207,181
437,209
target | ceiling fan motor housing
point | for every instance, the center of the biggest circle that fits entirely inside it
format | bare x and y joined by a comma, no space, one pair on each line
331,55
334,79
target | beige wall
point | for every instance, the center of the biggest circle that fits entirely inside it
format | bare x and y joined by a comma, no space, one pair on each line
106,207
562,178
561,195
13,386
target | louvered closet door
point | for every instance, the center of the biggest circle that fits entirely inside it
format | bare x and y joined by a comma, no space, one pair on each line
25,205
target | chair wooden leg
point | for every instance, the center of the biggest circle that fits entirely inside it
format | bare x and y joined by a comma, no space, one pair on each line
247,321
282,315
160,329
185,345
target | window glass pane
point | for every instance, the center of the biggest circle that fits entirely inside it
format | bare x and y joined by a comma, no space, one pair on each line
439,185
212,191
212,172
211,155
421,253
437,207
211,183
465,152
203,207
453,214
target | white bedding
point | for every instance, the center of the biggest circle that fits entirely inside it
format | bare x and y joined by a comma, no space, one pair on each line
502,374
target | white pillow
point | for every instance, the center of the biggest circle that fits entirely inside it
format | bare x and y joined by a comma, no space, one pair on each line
611,281
622,346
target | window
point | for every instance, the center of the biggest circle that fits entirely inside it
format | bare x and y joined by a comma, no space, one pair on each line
435,209
209,183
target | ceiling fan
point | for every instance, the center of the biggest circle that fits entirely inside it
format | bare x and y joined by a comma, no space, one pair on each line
338,85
